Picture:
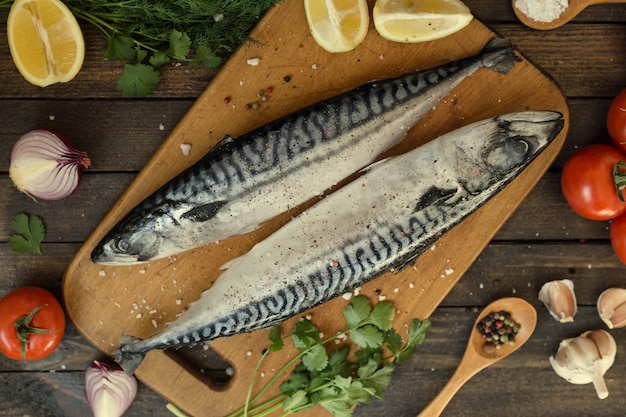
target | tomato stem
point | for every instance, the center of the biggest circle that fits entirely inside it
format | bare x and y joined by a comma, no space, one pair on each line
24,330
619,178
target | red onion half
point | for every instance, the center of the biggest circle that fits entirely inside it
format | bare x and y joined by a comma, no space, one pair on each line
109,390
44,165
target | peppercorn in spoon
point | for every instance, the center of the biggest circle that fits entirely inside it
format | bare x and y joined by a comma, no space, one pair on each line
486,347
574,7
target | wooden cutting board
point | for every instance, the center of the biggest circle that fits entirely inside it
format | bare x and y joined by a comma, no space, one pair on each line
293,71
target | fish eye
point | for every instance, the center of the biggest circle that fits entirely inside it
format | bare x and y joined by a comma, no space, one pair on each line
122,245
519,145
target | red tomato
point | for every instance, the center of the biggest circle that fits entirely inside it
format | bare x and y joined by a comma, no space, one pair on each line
47,314
587,182
616,120
618,237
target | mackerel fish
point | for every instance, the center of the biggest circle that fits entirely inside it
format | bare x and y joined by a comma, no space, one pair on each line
240,183
380,222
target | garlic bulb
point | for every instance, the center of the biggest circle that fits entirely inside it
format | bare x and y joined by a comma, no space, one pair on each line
612,307
560,300
585,359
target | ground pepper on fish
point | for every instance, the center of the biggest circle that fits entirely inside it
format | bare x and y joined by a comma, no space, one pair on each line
497,329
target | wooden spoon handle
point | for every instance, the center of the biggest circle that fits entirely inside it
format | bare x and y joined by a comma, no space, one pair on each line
439,403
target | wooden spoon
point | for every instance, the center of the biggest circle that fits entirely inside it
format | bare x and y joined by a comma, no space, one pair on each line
573,9
476,358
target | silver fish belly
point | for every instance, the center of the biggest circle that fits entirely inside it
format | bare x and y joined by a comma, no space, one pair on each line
245,181
380,222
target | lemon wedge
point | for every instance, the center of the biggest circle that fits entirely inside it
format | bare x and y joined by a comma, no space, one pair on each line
337,25
45,41
413,21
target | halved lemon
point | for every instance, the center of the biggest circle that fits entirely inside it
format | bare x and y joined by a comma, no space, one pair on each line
337,25
45,41
419,20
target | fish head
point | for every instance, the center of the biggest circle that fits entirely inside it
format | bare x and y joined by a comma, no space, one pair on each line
134,240
521,136
502,146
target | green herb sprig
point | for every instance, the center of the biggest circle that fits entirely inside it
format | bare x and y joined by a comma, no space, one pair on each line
326,377
30,233
146,34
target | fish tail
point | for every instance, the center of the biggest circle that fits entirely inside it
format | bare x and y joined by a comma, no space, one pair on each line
125,357
498,55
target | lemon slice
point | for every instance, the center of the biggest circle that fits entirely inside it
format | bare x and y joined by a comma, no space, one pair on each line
415,21
337,25
45,41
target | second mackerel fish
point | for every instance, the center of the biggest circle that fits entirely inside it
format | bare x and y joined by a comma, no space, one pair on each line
380,222
242,182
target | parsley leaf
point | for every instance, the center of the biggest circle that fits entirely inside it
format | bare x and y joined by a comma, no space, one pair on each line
31,232
138,80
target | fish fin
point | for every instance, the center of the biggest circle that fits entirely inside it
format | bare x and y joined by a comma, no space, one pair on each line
434,195
129,361
204,212
499,56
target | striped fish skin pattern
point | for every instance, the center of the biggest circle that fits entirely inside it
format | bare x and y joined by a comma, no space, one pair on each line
243,182
380,222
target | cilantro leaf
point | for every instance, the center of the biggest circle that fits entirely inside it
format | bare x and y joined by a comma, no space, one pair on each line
180,44
206,57
367,336
417,332
382,315
297,381
138,80
158,59
121,47
275,337
30,233
376,378
316,358
141,54
357,311
305,334
338,406
296,400
393,341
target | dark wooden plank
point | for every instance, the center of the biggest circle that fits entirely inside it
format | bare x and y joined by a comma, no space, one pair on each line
71,219
118,135
56,394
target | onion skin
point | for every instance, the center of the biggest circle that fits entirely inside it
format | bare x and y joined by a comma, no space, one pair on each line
44,165
109,390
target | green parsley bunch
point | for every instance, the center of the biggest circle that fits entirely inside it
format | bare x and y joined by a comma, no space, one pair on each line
328,377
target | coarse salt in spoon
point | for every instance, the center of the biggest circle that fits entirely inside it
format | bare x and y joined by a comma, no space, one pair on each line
573,8
477,358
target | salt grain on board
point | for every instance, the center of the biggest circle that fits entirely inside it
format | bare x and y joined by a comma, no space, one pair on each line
253,62
185,148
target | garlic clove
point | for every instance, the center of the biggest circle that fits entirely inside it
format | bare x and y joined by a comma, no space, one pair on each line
612,307
585,359
560,299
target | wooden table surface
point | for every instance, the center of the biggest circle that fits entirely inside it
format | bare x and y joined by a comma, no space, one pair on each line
542,241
